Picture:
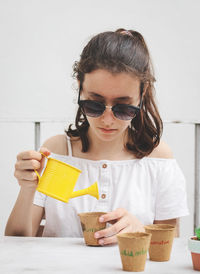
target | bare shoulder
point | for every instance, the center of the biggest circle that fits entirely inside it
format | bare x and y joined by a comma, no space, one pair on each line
57,144
162,151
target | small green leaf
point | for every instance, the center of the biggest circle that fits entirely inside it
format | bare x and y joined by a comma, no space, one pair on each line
197,231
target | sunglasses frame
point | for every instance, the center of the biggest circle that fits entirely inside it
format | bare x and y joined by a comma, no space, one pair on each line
137,108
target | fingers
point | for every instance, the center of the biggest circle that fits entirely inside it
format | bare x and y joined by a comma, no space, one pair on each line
27,163
32,154
45,151
113,239
113,215
108,241
122,221
112,230
31,159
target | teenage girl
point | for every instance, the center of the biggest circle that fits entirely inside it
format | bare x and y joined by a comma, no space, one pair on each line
115,141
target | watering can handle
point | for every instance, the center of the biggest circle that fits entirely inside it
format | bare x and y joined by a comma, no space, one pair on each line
36,170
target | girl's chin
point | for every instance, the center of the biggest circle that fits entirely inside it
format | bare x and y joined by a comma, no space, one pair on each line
107,137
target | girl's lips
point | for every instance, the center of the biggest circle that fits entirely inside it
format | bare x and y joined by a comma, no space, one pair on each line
106,130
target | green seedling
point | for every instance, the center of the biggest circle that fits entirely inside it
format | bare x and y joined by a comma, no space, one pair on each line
197,232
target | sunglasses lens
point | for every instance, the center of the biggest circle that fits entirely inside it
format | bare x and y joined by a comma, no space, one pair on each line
92,108
124,112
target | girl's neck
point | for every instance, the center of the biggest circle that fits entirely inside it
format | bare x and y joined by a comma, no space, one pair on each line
108,150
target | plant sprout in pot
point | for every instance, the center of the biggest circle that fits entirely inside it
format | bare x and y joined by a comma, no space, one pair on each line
194,247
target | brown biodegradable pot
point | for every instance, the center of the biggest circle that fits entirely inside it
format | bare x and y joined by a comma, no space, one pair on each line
161,241
133,249
194,247
90,224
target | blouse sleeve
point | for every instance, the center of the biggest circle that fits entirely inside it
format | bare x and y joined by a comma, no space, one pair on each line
171,197
39,199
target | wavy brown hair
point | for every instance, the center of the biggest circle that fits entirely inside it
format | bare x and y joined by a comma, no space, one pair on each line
116,52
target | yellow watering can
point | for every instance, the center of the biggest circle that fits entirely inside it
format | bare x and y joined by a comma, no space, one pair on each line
58,181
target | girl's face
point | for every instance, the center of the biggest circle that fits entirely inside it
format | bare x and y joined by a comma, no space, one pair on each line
110,89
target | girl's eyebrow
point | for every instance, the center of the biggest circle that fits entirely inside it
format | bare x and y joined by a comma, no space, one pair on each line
93,94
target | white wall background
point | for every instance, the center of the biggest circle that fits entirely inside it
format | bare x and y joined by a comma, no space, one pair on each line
39,42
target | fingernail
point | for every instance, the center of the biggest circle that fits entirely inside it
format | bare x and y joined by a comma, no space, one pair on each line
96,235
101,219
101,242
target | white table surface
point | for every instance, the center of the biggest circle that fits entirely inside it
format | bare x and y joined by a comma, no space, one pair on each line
70,255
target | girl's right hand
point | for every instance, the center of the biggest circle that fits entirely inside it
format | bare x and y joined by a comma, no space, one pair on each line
27,162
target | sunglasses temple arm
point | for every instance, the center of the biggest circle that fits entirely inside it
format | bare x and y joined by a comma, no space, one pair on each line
141,95
141,101
79,93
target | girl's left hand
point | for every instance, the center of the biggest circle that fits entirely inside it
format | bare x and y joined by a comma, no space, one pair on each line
122,222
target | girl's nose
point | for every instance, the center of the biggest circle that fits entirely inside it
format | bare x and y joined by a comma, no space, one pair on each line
108,116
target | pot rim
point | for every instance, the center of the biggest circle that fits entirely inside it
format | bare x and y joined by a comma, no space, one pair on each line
194,245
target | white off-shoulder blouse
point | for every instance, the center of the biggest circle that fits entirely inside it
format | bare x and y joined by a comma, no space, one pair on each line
149,188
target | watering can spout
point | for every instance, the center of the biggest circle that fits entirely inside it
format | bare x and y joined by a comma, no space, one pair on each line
91,190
